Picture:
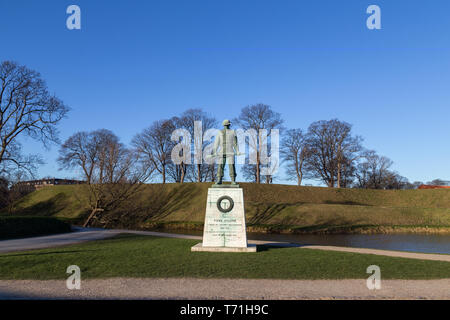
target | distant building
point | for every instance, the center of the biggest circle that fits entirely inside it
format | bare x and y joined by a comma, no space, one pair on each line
48,182
425,186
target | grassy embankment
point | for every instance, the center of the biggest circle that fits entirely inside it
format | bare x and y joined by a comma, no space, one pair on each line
269,208
145,256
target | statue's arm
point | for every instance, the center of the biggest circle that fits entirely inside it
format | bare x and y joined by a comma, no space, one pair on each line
216,142
236,144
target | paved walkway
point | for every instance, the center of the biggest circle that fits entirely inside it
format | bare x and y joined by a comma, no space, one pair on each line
90,234
226,289
81,235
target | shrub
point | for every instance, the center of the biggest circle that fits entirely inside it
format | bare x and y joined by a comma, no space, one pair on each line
22,227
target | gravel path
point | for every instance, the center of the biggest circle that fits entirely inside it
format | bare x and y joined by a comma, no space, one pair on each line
188,288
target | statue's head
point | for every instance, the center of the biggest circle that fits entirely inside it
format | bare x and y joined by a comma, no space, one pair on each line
226,123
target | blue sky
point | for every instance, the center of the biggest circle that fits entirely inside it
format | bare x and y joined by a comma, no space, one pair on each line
134,62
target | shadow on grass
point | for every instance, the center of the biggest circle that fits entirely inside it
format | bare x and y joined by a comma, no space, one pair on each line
6,255
348,203
274,246
145,206
49,207
265,212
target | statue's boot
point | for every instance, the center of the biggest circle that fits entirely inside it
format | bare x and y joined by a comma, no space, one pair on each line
233,182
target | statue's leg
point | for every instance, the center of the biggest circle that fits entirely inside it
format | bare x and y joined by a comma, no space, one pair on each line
220,169
232,169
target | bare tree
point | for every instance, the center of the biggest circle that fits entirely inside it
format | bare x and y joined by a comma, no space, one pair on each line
4,192
294,150
22,165
439,182
332,150
178,170
80,151
416,184
154,145
198,121
373,172
26,109
258,117
211,172
11,191
349,149
249,172
396,181
347,173
117,177
270,172
113,172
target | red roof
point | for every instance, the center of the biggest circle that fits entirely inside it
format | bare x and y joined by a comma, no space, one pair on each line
424,186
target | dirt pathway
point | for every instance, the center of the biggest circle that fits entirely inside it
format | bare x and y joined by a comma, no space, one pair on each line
188,288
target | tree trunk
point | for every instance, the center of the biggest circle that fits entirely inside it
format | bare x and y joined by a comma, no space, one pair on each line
93,212
299,172
339,176
330,183
299,179
258,177
164,174
182,172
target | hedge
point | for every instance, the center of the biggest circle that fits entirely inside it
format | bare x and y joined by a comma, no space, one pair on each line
23,227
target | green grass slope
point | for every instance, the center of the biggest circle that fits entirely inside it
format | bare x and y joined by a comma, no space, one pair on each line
274,208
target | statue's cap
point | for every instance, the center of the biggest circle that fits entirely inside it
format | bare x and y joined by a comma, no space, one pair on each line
226,122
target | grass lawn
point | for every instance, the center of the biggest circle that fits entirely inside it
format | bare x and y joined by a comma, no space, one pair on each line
146,256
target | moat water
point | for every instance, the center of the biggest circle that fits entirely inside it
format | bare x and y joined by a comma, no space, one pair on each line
426,243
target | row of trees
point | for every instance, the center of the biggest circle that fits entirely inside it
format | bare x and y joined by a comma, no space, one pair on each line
330,153
327,151
153,147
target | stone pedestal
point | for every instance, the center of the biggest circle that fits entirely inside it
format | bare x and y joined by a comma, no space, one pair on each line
224,229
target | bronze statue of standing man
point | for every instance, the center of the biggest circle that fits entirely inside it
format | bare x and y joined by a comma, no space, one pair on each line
226,139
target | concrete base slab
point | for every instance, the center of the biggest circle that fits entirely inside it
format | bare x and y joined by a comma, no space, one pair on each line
225,185
200,248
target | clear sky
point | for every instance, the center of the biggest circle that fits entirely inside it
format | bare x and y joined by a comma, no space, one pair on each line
134,62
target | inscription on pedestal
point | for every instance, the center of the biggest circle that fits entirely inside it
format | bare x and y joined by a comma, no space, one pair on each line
225,219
